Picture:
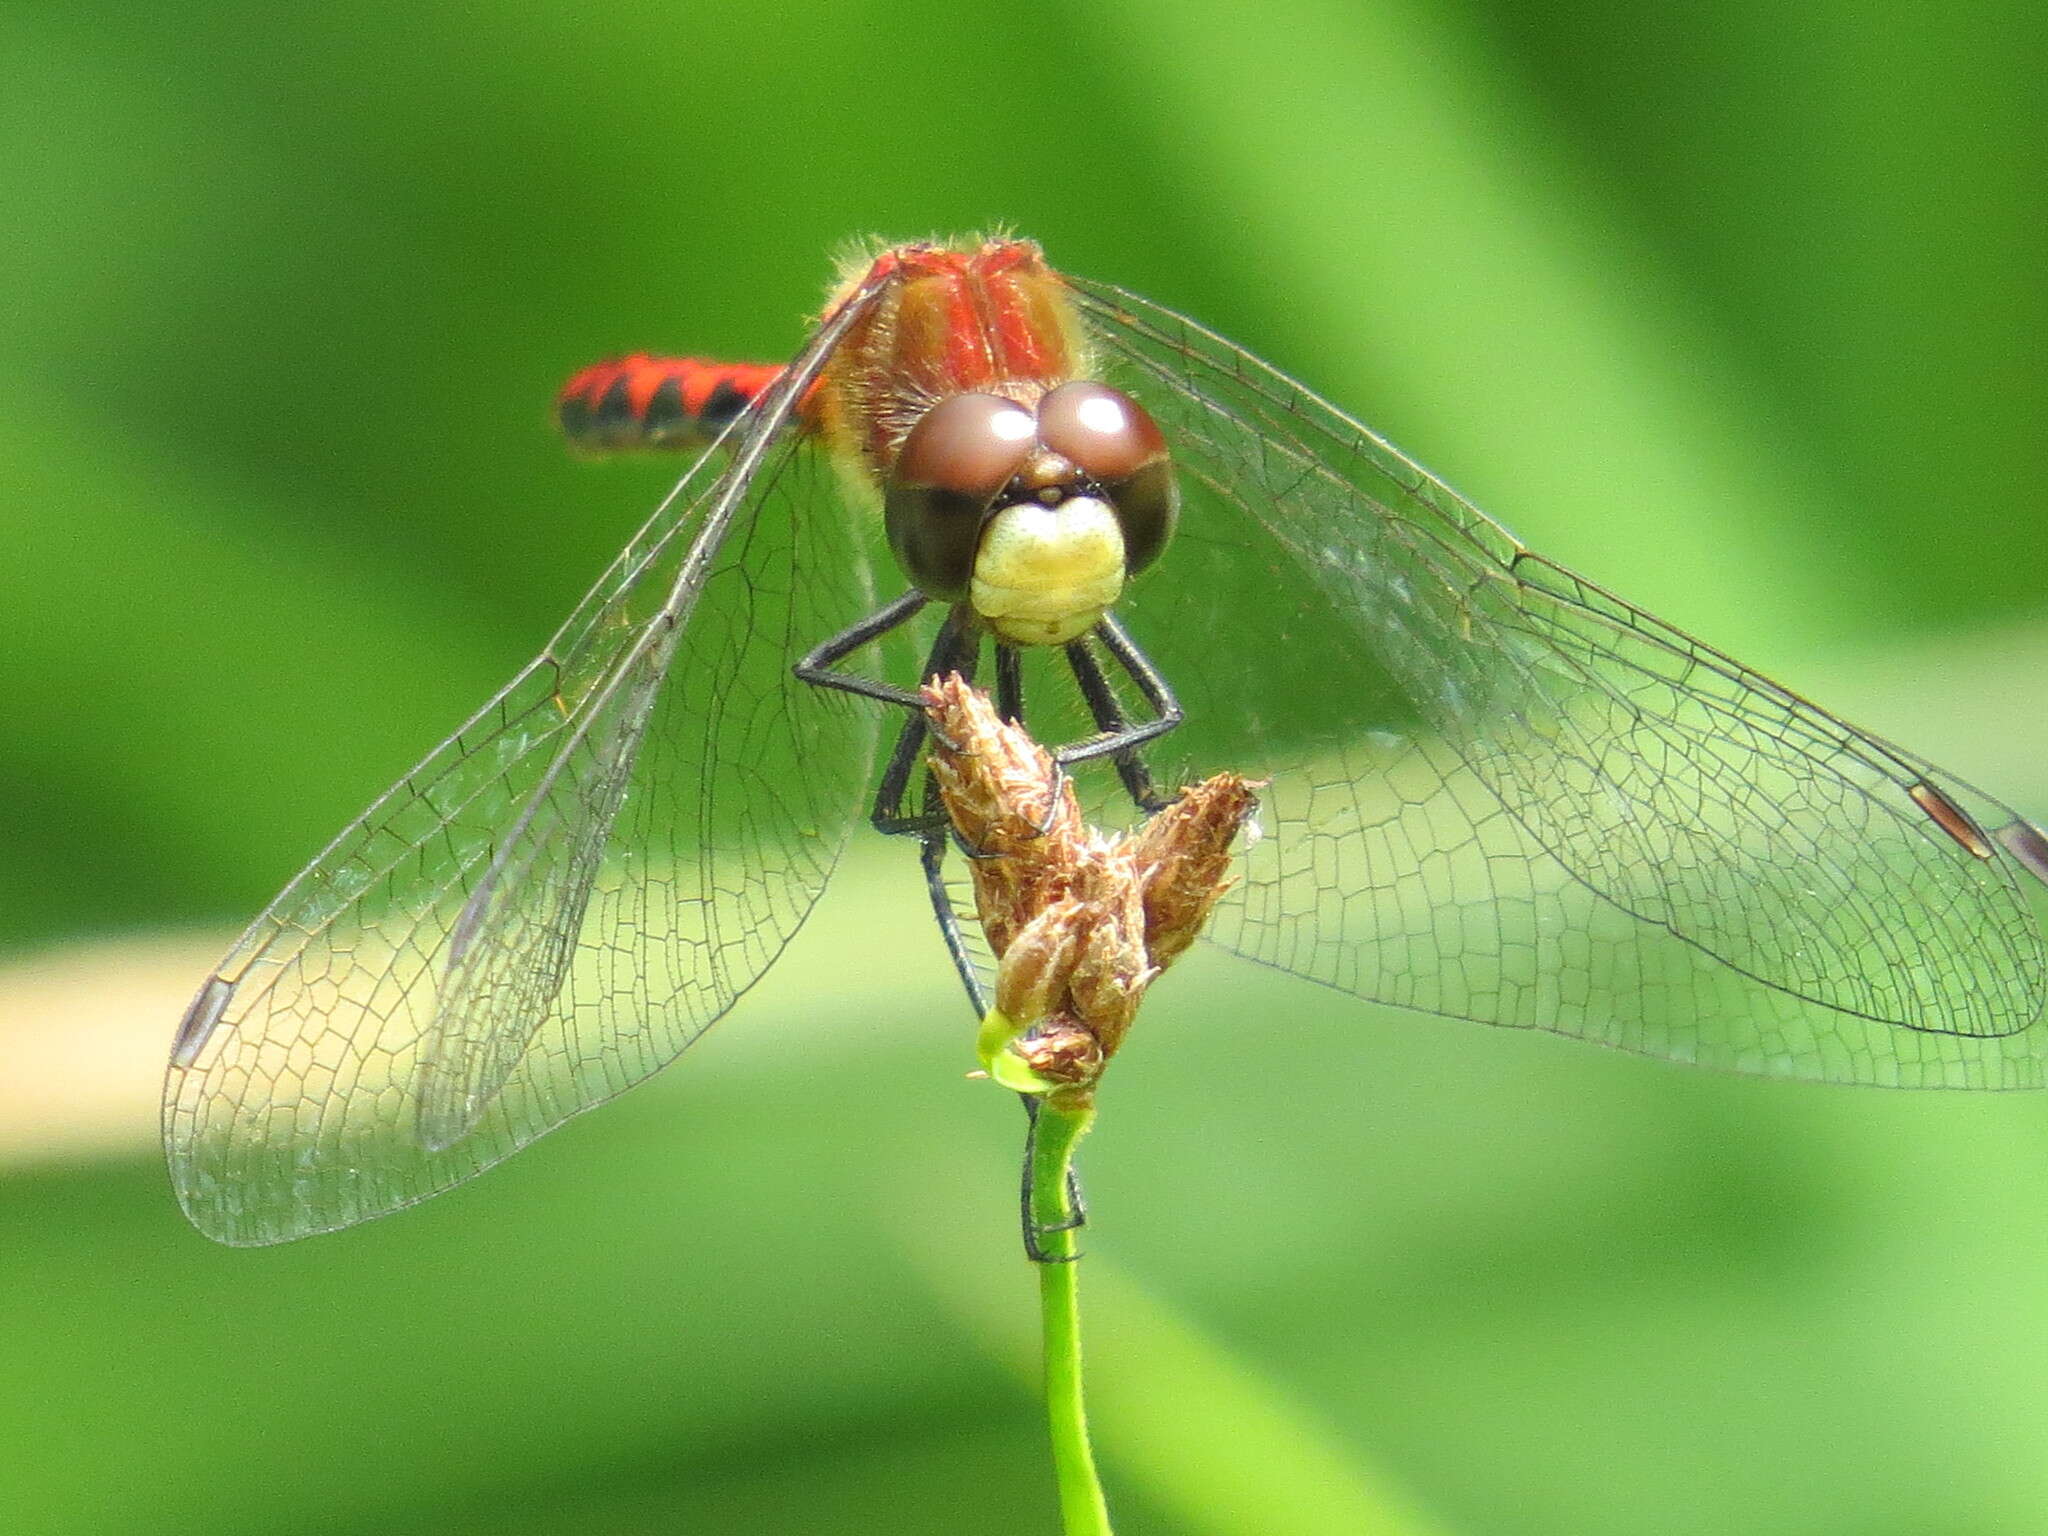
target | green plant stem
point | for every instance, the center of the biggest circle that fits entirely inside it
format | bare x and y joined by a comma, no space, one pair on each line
1057,1129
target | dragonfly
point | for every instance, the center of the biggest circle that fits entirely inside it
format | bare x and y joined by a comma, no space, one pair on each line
1495,791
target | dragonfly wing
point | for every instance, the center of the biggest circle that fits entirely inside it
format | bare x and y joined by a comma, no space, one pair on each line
1501,793
567,892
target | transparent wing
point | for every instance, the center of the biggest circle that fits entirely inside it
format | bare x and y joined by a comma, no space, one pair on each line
568,891
1501,793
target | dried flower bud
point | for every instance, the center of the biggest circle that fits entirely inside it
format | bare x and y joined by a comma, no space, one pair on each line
1031,980
1184,857
1113,968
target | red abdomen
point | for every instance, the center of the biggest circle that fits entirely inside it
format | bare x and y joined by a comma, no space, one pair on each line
643,401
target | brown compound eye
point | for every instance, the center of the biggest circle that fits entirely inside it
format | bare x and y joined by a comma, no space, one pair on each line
1116,443
955,461
1103,430
967,444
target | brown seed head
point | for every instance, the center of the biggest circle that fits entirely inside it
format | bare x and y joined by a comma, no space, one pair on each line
1080,922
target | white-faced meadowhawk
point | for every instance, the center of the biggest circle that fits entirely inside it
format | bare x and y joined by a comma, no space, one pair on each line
1495,791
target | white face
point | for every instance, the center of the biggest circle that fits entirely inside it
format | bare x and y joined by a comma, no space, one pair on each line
1044,575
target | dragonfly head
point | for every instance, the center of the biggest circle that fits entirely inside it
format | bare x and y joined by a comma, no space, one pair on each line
1035,519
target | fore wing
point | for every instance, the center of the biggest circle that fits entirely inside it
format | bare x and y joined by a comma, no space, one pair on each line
1502,793
568,891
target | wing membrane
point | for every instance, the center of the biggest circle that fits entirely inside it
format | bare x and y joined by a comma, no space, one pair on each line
1504,794
567,892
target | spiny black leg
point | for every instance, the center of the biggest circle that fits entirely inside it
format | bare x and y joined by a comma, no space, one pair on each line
957,649
887,815
1138,667
817,664
1077,1213
1009,683
953,650
1111,741
1109,719
932,854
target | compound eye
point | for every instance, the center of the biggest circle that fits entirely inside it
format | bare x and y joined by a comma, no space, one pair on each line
969,445
955,461
1104,431
1115,442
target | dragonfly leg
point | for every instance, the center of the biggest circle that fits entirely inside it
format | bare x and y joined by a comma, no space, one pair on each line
1009,683
1138,666
817,665
932,855
1077,1211
954,650
1117,737
888,816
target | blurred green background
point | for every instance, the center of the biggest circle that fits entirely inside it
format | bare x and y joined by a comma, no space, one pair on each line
1740,309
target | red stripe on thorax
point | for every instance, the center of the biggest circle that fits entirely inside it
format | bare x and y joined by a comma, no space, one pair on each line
1011,280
